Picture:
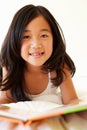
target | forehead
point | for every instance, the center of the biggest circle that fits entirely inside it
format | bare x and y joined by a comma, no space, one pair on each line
38,23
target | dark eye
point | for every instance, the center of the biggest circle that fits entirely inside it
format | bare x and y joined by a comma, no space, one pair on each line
44,36
26,37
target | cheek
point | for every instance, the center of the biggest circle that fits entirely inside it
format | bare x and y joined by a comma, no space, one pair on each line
50,46
24,50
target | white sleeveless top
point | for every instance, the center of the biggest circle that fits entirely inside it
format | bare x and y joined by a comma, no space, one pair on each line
51,94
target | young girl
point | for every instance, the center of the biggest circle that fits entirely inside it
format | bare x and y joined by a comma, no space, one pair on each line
34,59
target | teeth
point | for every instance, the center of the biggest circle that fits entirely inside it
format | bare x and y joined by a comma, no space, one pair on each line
36,54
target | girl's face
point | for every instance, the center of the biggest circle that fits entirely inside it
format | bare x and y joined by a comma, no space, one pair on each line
37,42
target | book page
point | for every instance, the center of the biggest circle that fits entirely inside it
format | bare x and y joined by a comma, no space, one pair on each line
28,109
36,110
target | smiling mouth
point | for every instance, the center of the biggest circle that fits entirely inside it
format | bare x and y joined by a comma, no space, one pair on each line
36,54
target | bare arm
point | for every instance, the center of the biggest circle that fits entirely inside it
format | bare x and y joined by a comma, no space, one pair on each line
5,96
67,89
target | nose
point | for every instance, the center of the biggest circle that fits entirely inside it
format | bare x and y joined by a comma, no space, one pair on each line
36,43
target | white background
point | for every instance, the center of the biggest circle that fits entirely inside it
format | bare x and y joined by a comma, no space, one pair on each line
72,17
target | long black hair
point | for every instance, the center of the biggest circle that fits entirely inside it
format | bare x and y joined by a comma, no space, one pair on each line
10,51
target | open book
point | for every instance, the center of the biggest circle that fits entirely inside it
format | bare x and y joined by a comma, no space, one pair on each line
29,111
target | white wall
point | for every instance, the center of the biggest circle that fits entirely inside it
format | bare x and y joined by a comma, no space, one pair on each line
72,17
